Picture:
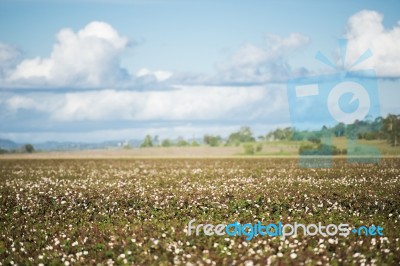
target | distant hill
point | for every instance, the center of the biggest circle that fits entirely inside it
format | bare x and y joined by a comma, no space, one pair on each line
8,144
69,146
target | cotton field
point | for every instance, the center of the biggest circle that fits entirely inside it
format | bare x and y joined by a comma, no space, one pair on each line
136,211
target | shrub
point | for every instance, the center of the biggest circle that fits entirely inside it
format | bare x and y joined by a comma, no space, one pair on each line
321,149
182,143
166,143
195,143
306,149
213,141
28,148
248,148
259,147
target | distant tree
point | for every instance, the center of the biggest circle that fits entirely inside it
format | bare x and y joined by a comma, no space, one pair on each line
182,142
339,130
213,141
243,135
147,142
391,129
270,136
287,133
377,124
357,129
280,134
166,143
28,148
127,146
195,143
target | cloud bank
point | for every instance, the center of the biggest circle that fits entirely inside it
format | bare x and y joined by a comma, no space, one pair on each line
260,64
185,103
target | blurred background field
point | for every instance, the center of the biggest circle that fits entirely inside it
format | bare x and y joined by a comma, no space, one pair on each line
281,148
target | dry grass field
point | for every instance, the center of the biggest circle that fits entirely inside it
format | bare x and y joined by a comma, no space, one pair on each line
180,152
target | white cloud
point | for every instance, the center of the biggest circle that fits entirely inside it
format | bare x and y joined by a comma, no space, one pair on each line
20,102
98,105
185,103
87,58
269,63
180,104
159,75
35,102
365,30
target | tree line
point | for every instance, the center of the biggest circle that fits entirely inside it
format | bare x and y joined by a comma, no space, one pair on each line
243,135
26,148
381,128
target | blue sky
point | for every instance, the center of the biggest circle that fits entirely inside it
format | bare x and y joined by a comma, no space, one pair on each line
97,70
